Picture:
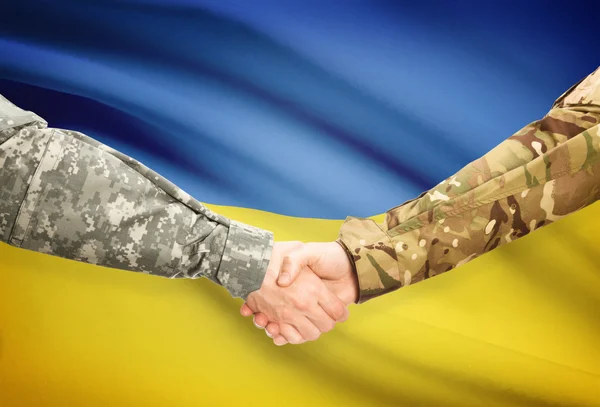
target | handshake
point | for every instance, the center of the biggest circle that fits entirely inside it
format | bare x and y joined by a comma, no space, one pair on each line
306,291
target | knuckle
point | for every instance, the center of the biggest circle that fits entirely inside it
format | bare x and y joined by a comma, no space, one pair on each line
302,303
285,313
296,300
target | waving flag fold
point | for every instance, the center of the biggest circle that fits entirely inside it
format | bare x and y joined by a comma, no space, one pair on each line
291,116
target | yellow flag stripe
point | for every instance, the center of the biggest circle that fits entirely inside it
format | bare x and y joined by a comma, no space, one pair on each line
517,327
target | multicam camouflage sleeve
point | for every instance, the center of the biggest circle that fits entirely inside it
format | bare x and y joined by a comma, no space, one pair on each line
542,173
68,195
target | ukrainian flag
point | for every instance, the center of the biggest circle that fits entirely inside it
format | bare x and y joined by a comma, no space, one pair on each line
292,115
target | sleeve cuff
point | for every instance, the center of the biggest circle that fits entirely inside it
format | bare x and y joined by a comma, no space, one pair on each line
374,257
245,259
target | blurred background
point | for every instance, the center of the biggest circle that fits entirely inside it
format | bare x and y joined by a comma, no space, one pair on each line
319,109
305,108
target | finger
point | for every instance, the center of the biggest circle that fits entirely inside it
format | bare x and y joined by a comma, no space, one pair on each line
246,311
293,263
345,317
306,329
260,320
345,314
281,250
272,329
291,334
322,320
280,340
332,305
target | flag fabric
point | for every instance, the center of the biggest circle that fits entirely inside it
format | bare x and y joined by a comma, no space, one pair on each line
291,116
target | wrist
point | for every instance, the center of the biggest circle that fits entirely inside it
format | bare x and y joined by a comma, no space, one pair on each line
352,291
245,259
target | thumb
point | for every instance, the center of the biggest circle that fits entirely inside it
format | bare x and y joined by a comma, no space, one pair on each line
293,263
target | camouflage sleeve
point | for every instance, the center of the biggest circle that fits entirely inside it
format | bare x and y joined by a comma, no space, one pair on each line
68,195
542,173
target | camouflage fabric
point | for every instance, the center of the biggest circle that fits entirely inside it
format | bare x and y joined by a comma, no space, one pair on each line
66,194
542,173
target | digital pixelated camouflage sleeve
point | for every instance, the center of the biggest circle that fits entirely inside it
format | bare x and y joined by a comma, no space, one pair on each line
542,173
66,194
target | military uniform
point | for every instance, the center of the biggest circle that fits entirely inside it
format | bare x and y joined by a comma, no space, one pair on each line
542,173
66,194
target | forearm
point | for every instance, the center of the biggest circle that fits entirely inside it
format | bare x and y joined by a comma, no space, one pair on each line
542,173
68,195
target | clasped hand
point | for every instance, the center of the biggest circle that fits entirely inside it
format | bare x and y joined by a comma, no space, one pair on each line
306,291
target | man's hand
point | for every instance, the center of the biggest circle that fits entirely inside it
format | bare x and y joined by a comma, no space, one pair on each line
303,310
329,262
